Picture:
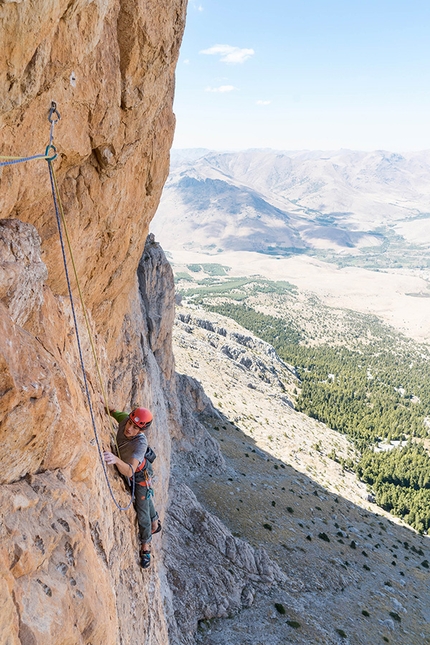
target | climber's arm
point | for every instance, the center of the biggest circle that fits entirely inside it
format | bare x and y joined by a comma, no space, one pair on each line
122,466
118,416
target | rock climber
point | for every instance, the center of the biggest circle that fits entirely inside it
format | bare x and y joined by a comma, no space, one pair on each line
135,460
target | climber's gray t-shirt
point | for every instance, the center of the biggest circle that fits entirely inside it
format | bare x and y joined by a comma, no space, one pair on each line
131,448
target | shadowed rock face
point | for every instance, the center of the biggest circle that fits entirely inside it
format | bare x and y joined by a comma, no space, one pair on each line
68,559
224,572
22,271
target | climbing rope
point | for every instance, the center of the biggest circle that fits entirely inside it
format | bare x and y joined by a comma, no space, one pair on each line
61,219
50,156
9,161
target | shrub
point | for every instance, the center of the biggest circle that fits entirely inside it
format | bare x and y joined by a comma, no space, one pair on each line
341,633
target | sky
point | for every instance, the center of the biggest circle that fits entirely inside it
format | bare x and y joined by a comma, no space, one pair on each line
304,74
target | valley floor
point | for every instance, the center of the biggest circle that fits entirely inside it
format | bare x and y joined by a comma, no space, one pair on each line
399,297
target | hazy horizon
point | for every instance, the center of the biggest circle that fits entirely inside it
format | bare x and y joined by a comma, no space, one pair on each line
293,150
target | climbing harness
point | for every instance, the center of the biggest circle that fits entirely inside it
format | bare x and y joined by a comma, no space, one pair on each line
147,482
50,156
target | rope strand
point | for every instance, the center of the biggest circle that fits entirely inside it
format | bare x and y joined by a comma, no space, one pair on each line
58,208
84,309
10,161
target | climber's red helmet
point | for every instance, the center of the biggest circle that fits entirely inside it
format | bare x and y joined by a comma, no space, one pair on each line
141,417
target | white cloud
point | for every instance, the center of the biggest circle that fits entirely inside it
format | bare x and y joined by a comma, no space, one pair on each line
229,54
222,88
187,61
263,102
197,7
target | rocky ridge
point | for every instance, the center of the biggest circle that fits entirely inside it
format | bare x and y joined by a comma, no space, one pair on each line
68,559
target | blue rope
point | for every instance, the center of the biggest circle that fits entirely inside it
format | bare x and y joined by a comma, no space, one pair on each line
81,358
12,162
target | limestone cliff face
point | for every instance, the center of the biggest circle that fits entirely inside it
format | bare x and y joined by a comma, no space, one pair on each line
109,65
68,558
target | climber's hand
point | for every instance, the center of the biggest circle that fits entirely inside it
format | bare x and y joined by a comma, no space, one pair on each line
110,458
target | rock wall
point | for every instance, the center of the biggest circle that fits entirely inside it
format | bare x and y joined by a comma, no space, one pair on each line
69,570
68,558
109,65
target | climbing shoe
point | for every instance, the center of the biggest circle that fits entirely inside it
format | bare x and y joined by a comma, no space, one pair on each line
158,529
145,559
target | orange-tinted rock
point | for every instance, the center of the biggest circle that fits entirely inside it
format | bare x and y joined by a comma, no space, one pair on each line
110,68
69,570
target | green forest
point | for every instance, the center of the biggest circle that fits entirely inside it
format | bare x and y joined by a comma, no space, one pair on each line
375,392
373,386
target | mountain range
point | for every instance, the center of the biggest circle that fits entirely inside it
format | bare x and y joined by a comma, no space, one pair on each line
281,203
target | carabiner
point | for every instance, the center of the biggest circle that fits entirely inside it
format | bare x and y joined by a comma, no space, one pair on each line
50,147
53,111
